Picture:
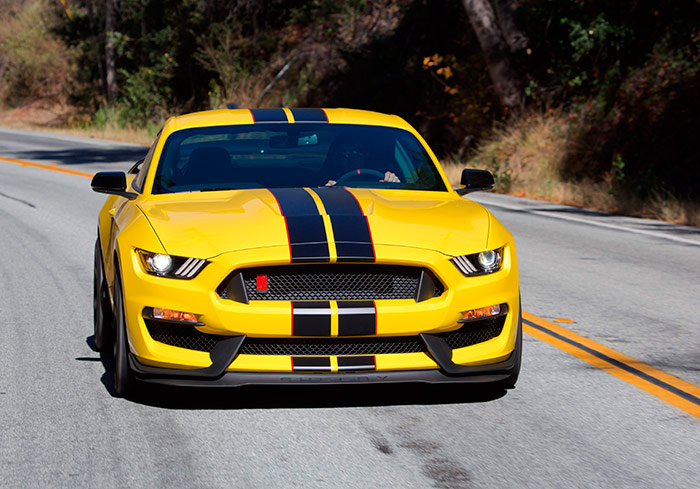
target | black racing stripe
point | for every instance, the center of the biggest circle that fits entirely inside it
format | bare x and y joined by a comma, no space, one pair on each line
311,318
295,202
307,239
269,115
307,234
363,362
627,368
357,318
339,202
309,115
353,239
353,242
311,363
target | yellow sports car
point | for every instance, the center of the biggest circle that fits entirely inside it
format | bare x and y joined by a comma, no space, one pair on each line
306,246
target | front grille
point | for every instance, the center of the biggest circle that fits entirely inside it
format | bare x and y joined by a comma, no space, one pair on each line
185,336
334,282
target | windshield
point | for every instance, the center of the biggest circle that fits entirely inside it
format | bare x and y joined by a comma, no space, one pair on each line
283,155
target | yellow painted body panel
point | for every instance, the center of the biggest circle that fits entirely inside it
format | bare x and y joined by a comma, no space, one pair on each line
245,228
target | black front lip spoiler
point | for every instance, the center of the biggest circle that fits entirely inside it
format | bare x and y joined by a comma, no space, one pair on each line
225,352
496,372
232,379
221,357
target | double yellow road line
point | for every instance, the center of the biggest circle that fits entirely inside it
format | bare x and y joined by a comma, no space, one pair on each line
667,387
664,386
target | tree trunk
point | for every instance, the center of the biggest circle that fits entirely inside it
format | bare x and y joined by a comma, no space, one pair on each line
508,20
496,51
94,37
110,54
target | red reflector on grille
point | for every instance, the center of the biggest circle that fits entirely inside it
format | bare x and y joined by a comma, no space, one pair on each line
261,283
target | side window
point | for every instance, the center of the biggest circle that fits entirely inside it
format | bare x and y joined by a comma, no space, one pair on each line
141,177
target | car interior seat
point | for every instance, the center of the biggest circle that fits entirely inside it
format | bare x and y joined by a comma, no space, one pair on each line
209,166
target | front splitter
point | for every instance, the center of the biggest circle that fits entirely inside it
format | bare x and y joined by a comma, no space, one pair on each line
500,372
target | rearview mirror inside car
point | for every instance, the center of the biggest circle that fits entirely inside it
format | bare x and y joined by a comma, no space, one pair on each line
293,140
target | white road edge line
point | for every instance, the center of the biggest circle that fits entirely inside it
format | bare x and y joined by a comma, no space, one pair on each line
591,223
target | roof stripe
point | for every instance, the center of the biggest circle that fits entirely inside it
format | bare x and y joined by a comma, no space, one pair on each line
309,115
269,115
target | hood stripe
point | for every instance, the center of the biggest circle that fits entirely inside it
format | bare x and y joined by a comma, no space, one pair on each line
306,232
305,229
353,238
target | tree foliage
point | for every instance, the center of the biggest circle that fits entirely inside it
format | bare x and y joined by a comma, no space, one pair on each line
626,72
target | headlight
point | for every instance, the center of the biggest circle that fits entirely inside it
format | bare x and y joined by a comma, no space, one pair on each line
171,266
479,263
160,263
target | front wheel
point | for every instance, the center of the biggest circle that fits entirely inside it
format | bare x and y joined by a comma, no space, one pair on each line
124,382
102,311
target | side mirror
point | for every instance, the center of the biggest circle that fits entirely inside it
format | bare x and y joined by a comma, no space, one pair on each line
111,182
474,180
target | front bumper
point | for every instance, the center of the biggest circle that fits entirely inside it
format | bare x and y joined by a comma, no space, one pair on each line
226,352
272,319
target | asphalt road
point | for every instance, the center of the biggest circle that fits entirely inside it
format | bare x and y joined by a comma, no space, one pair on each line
631,285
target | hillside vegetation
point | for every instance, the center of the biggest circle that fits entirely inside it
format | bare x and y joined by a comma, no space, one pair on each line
587,102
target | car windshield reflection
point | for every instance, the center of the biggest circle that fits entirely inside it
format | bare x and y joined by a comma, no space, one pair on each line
294,155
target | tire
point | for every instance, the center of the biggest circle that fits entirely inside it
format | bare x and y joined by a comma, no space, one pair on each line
124,382
510,382
102,310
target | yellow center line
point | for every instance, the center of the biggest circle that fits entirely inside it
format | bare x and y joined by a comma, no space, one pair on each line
51,167
671,389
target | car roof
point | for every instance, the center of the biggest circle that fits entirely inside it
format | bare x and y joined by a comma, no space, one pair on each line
226,117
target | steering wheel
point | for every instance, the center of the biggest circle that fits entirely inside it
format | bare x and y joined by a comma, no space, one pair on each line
360,172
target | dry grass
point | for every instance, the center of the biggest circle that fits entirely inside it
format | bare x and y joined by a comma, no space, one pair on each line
61,119
669,208
527,155
125,135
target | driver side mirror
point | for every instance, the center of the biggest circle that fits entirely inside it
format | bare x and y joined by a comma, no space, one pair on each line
111,182
475,180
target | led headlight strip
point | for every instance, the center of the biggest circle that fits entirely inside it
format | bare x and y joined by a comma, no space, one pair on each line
479,263
190,268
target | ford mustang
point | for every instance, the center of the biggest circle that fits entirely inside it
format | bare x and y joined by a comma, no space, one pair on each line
301,246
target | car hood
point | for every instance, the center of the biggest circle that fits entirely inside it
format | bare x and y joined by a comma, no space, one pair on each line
207,224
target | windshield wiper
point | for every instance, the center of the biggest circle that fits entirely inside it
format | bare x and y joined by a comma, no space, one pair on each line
217,189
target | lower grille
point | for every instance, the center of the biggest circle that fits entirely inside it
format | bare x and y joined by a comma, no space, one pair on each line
474,332
332,282
185,336
331,346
